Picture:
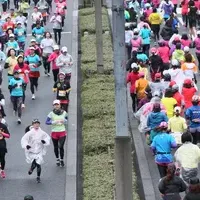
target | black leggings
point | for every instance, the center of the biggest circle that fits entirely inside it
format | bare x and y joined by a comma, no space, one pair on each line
17,105
4,6
2,160
133,96
156,29
46,64
162,170
24,96
59,145
33,83
57,35
16,4
34,165
64,106
55,74
146,48
185,19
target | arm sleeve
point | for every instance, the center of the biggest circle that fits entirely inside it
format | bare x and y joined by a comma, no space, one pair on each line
24,140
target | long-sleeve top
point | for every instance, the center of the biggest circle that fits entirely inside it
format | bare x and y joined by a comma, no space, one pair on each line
65,63
188,150
52,58
57,21
6,134
47,45
176,185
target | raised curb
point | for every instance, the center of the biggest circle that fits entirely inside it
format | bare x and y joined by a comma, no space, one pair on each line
71,150
145,175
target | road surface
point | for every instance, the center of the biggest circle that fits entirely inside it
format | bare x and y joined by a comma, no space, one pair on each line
18,183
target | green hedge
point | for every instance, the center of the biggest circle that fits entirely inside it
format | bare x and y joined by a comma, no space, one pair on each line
87,20
98,113
98,105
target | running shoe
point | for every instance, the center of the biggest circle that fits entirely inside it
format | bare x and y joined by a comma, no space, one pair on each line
58,162
30,172
19,121
62,164
45,71
3,175
38,179
48,74
33,97
23,106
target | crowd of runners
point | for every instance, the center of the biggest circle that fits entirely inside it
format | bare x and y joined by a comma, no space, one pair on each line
163,48
24,60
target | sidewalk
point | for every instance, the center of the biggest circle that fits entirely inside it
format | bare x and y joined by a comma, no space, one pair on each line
71,149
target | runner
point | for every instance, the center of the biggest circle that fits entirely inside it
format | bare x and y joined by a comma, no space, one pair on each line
36,16
62,88
10,63
33,60
23,70
20,34
16,86
4,133
52,58
38,32
2,60
34,142
47,48
65,62
56,20
57,119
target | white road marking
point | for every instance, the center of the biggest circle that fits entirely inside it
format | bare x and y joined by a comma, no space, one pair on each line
62,33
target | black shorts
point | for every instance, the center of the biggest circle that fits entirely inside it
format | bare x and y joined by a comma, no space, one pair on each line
192,23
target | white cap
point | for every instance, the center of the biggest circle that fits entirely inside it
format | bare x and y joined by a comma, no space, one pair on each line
56,47
147,5
177,109
135,30
156,93
64,49
33,40
32,48
56,102
186,49
134,66
11,35
198,32
175,62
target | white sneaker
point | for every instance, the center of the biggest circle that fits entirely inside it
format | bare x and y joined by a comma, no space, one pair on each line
23,105
19,121
48,74
33,97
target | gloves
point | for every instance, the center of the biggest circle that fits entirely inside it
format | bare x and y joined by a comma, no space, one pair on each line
28,147
43,142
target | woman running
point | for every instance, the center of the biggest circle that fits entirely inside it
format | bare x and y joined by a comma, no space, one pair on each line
34,142
62,88
38,32
57,119
16,86
23,70
47,48
4,133
33,60
65,62
20,34
192,18
56,20
52,58
10,63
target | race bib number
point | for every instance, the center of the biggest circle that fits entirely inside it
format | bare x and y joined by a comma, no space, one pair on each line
61,93
20,34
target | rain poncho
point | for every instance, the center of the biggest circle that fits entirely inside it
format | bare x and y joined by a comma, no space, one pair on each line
177,75
38,149
143,113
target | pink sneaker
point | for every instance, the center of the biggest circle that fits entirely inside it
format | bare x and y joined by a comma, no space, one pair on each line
3,175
